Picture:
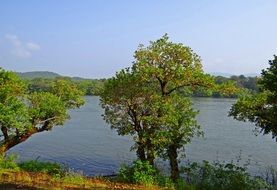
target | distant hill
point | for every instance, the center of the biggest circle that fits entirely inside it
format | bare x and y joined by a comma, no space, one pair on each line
45,75
38,74
228,75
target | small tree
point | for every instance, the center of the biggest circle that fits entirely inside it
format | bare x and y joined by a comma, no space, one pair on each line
23,114
127,102
260,108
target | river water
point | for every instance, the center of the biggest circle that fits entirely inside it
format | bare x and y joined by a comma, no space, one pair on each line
87,144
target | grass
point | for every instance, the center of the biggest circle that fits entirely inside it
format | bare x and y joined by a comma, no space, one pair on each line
46,175
45,181
140,175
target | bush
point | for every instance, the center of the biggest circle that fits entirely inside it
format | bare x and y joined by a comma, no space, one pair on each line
140,172
8,162
45,167
165,181
219,176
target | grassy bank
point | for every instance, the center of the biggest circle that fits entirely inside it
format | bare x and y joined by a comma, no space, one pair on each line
206,176
40,180
46,175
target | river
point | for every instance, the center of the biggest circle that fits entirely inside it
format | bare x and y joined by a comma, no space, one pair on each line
87,144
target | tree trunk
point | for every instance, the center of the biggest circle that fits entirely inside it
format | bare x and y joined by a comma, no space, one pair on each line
141,152
5,132
12,141
173,155
7,144
150,153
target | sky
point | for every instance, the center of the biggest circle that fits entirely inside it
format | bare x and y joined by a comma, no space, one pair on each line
96,38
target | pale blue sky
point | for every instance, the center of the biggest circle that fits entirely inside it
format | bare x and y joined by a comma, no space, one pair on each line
95,38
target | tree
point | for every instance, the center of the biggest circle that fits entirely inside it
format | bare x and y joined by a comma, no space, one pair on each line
145,100
126,101
180,126
23,114
261,108
173,67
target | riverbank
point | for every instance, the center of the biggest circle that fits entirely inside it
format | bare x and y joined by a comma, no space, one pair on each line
10,179
140,175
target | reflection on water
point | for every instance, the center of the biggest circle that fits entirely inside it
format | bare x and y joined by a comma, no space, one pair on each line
86,143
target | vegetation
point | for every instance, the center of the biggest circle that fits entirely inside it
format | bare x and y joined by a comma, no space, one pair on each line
140,175
222,176
231,87
205,176
47,175
153,109
149,101
38,74
261,108
43,167
23,114
40,81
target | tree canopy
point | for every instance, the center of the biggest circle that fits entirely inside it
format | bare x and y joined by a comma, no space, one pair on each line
261,108
23,114
146,102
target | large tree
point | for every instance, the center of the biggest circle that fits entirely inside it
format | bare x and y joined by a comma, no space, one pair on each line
173,67
145,101
23,114
261,108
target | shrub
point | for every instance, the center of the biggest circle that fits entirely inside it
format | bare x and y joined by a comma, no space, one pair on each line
8,162
165,181
140,172
45,167
218,176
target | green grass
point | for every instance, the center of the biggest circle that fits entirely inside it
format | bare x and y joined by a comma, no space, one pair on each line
140,175
50,168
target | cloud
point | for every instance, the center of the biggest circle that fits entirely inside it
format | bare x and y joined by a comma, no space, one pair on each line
21,49
32,46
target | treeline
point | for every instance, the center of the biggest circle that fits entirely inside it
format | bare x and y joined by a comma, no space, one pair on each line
237,85
229,87
87,86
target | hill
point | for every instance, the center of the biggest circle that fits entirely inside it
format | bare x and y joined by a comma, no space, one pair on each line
38,74
228,75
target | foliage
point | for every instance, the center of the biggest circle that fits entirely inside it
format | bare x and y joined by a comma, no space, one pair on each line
8,162
144,101
68,92
46,105
39,85
250,83
38,74
87,86
140,172
45,167
261,108
23,113
171,65
220,176
13,112
171,68
205,176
